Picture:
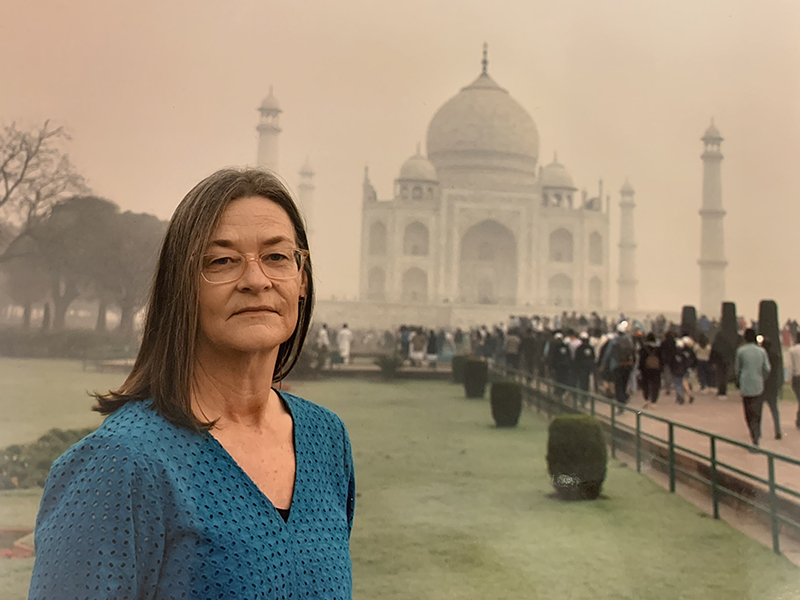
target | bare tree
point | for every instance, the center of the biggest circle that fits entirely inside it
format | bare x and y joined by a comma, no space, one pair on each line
34,174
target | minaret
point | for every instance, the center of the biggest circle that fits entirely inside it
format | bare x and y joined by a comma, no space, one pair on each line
712,236
268,132
306,197
627,251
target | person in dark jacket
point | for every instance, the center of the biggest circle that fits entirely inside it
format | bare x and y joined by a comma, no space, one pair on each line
583,363
679,367
721,359
650,366
560,361
668,350
773,384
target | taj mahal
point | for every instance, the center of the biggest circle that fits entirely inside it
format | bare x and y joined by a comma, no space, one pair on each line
476,229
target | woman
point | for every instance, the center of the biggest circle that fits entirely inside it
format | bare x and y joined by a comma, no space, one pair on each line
205,481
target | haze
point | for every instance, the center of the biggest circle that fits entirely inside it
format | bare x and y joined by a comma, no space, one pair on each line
158,94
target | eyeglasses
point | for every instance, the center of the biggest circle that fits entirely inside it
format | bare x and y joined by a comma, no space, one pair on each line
229,266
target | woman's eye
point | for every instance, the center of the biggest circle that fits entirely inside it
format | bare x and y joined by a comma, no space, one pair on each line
276,257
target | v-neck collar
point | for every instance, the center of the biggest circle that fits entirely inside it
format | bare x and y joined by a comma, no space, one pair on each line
249,481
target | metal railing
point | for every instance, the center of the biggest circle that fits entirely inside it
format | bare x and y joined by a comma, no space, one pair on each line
767,495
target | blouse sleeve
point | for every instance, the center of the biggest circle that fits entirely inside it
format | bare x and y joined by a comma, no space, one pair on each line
100,530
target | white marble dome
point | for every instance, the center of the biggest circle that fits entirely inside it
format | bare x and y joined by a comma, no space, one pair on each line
418,168
555,175
483,138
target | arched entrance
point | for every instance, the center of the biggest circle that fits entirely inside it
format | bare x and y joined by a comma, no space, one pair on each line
487,270
415,286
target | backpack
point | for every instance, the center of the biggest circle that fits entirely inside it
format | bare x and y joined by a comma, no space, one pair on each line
652,362
625,352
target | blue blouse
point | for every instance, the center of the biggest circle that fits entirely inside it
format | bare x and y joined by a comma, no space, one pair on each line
144,509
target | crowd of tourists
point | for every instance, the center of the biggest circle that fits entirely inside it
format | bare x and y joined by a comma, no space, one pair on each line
592,353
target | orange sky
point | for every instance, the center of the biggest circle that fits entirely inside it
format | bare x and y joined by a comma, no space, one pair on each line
159,94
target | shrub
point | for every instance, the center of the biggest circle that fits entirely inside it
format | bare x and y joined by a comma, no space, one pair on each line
576,457
689,321
458,364
506,398
27,466
476,375
389,364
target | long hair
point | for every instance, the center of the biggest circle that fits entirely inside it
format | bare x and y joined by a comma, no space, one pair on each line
163,369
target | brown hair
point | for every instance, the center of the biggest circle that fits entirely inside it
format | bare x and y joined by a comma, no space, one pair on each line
163,369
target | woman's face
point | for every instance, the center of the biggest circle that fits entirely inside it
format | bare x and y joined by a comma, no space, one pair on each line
253,314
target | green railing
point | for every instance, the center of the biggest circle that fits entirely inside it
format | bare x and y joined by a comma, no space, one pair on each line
781,510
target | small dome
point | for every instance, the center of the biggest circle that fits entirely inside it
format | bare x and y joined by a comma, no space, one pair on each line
418,168
712,133
555,175
270,103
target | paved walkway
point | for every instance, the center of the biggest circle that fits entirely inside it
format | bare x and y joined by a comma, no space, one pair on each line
724,416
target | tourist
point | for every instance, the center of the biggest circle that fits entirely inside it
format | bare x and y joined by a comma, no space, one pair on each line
751,366
721,358
560,362
678,368
773,383
323,346
668,349
344,341
512,347
702,351
583,363
432,349
619,359
418,347
187,490
794,374
650,368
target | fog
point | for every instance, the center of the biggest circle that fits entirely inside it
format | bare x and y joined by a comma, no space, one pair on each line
156,95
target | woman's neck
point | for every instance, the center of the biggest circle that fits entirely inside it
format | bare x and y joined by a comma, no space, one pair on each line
235,391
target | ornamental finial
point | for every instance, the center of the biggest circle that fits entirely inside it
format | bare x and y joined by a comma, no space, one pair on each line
485,61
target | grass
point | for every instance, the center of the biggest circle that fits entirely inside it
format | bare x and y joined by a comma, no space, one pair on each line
38,395
450,507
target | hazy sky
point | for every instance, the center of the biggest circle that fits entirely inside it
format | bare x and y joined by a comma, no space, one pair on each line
157,94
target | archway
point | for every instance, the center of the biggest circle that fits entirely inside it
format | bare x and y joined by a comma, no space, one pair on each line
488,265
415,240
561,291
414,286
561,246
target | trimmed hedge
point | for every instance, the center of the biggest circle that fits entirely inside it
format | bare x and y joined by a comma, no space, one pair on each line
27,465
506,399
689,321
476,376
458,364
389,365
576,457
70,343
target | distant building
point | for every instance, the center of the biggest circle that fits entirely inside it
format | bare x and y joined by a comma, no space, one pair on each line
474,225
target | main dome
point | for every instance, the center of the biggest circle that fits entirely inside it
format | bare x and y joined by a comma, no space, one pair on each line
483,138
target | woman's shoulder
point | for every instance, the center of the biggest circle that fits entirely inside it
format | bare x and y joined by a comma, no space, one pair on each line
134,431
310,412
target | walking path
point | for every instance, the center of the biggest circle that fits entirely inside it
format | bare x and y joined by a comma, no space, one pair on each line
723,416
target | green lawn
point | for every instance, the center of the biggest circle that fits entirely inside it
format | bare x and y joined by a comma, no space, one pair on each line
37,395
450,507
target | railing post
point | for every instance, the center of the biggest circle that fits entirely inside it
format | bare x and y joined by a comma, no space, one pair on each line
591,399
613,432
773,506
714,489
671,457
638,442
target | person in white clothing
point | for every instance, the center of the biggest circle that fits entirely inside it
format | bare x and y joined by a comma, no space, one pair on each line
343,340
794,374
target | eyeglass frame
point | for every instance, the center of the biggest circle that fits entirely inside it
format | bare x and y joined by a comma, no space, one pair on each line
249,256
